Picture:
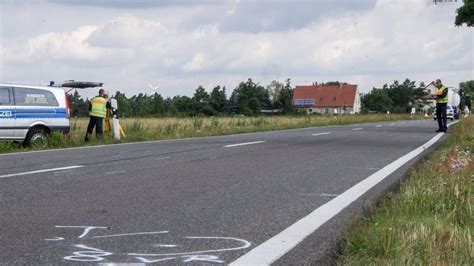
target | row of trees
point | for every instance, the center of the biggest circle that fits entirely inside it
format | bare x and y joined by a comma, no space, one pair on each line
247,99
401,97
396,98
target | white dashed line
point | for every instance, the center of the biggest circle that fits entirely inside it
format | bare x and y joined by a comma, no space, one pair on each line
359,128
378,126
243,144
319,134
42,171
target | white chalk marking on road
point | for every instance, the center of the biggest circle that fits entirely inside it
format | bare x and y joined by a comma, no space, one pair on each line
54,239
242,144
277,246
42,171
378,126
166,246
319,134
245,245
122,264
359,128
87,229
132,234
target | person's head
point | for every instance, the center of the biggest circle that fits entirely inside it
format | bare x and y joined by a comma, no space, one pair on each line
101,92
438,83
106,94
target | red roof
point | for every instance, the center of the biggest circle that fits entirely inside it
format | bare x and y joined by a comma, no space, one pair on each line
327,95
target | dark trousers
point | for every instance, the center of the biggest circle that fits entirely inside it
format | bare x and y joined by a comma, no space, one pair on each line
441,116
97,123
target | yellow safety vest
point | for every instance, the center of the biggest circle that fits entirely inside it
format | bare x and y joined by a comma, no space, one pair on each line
439,92
98,107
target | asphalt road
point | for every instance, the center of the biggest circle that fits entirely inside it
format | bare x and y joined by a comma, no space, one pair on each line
203,200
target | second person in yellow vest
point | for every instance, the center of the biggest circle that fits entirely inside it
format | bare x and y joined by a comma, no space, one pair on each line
97,111
441,95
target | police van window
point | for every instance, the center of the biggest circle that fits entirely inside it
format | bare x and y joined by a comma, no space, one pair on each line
4,96
34,97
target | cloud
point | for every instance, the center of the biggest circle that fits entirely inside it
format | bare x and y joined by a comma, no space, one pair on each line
179,48
65,46
135,4
126,31
274,16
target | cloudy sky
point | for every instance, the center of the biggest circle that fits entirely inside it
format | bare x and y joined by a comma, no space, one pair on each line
181,44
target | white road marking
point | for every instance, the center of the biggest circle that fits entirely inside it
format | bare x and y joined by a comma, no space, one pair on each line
242,144
319,134
392,124
378,126
42,171
277,246
328,195
359,128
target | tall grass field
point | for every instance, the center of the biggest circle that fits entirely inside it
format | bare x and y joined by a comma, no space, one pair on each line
142,129
430,221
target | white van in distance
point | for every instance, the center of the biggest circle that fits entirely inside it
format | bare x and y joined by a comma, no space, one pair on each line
30,113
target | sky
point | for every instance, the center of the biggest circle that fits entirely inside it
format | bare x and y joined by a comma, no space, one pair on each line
176,46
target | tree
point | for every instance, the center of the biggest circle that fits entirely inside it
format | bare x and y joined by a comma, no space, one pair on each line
183,105
400,94
466,91
218,99
201,102
274,90
157,104
285,98
377,100
246,91
77,105
467,87
124,108
465,14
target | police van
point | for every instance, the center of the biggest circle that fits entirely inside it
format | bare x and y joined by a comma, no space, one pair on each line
30,113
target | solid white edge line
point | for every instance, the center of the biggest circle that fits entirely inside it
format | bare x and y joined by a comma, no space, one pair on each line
242,144
319,134
42,171
277,246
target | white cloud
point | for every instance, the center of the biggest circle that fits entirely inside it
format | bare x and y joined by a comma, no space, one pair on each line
62,46
179,48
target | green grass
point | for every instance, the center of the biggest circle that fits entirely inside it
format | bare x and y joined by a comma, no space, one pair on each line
142,129
430,221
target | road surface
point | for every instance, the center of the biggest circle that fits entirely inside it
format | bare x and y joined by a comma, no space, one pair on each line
252,198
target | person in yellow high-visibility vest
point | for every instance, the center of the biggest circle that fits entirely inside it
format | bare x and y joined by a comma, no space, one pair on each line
441,96
97,111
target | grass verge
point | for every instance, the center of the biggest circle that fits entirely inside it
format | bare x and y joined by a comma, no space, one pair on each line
430,221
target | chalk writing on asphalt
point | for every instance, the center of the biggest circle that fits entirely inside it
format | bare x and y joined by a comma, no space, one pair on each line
89,244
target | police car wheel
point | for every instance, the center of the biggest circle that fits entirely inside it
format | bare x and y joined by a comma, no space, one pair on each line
37,138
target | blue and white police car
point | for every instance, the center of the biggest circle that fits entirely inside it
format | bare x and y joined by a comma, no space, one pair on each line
30,113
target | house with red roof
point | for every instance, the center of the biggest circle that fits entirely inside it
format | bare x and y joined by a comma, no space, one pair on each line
341,98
